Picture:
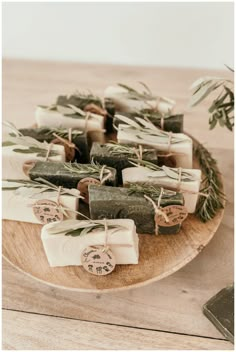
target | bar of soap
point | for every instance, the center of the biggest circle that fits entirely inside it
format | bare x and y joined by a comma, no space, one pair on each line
172,123
12,162
118,203
79,138
125,102
143,175
64,250
18,208
104,155
53,118
182,151
59,175
220,311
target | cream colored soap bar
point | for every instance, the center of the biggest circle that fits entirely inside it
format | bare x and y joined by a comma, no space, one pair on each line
12,162
94,124
19,208
64,250
189,189
182,151
123,103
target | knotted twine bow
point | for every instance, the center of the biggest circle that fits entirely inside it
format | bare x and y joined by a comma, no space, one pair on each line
157,209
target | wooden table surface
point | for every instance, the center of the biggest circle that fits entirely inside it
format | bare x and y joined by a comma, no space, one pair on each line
164,315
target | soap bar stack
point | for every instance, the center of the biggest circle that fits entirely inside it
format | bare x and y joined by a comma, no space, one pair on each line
142,182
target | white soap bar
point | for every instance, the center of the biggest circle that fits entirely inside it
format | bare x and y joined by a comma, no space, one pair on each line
18,208
123,103
142,174
64,250
12,162
183,149
52,118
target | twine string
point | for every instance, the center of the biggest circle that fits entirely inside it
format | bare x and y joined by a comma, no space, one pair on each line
157,210
102,177
48,151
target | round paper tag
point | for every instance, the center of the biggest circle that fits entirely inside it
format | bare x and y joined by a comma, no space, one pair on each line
175,213
27,166
46,211
69,151
83,187
98,260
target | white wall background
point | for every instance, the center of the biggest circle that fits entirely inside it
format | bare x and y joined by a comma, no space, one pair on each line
165,34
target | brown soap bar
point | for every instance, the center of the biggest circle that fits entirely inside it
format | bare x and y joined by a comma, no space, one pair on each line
220,311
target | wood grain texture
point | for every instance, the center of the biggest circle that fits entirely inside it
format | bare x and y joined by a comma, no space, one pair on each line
26,331
172,304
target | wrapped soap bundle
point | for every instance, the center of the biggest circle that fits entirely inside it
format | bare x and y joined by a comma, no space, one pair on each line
38,201
117,155
19,150
81,111
186,181
74,141
166,122
153,209
127,99
73,175
176,146
97,245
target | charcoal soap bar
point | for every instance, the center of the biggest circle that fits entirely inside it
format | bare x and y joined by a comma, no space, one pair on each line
46,134
118,203
220,311
102,154
57,174
173,123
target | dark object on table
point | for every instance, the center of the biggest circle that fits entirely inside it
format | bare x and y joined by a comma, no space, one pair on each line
46,134
118,203
67,175
111,155
220,311
110,108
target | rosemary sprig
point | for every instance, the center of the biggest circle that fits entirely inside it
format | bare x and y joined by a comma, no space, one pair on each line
222,108
117,149
149,190
79,99
79,228
90,169
208,206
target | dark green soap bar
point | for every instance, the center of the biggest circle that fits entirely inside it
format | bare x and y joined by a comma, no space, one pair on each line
102,154
220,311
79,100
110,108
56,173
173,123
46,134
118,203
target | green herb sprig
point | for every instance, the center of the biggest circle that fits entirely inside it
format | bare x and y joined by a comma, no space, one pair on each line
222,108
149,190
208,205
90,169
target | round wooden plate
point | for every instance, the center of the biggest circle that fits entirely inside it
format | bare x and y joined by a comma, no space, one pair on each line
160,256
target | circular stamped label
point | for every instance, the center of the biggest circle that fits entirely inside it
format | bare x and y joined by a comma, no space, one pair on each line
27,166
83,187
98,260
175,213
69,151
46,211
